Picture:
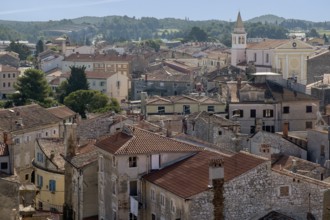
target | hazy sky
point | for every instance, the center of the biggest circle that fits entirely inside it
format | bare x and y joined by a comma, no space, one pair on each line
44,10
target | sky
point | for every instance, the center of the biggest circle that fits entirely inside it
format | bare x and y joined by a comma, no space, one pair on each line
45,10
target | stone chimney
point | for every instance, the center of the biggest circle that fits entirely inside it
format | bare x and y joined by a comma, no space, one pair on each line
70,139
216,170
285,129
294,166
216,182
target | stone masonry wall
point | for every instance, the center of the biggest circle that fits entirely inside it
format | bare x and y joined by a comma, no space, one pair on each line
248,194
201,207
303,196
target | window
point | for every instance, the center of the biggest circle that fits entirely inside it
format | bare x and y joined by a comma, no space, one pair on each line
132,162
152,195
26,176
9,84
309,125
102,83
309,109
161,109
4,85
46,134
284,191
162,200
4,166
219,132
8,75
210,108
14,75
322,152
132,216
172,206
52,185
268,113
267,58
118,84
286,109
39,181
114,186
188,84
4,75
186,109
133,188
113,161
268,128
153,217
17,141
114,216
238,113
252,113
255,57
252,129
40,157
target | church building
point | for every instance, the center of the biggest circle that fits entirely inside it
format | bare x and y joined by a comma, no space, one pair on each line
285,56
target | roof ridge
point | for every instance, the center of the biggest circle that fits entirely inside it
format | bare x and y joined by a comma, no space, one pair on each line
253,155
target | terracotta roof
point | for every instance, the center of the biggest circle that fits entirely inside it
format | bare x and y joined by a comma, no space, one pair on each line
267,44
31,116
98,75
191,176
8,68
4,149
133,140
96,58
61,112
85,155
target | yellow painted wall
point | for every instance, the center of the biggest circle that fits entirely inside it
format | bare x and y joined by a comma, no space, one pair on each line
46,196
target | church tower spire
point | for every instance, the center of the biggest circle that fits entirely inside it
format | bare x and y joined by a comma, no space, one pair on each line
238,42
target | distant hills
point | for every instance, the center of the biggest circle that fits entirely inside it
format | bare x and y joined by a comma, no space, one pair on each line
122,28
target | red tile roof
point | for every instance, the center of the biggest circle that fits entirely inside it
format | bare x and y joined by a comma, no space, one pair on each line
267,44
191,176
133,140
96,58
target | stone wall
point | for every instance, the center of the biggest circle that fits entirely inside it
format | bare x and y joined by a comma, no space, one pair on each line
201,207
9,198
248,195
317,66
304,195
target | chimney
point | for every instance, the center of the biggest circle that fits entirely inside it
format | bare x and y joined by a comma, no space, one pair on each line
285,129
70,139
52,154
216,170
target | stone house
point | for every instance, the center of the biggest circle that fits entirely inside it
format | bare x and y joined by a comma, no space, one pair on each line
266,144
20,127
206,185
184,105
124,157
212,128
163,83
269,105
81,183
8,77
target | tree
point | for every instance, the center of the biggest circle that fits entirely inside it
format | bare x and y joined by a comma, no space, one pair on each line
77,80
313,33
325,38
86,100
39,47
31,86
19,48
197,34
